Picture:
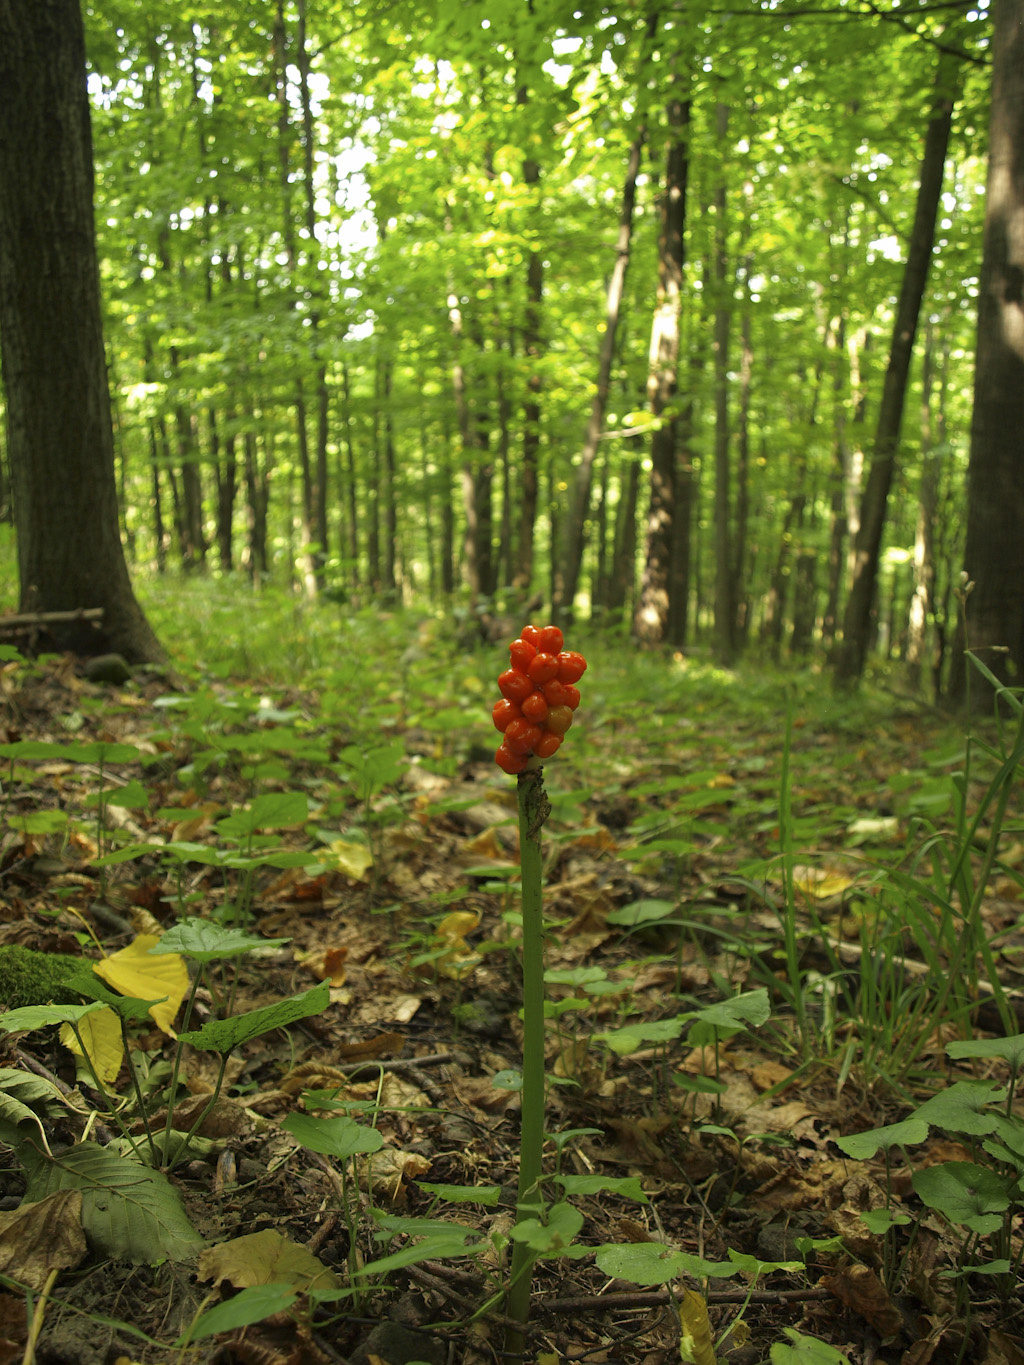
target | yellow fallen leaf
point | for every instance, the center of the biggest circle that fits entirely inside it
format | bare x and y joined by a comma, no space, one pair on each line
36,1239
820,882
266,1257
141,975
695,1345
451,934
101,1034
354,859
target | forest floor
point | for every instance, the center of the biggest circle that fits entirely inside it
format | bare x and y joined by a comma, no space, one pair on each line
701,848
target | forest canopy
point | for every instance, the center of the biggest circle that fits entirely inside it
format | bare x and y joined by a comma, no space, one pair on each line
415,299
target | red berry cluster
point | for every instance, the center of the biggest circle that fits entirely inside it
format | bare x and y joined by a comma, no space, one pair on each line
538,697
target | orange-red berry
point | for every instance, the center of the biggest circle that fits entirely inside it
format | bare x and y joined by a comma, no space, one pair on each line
535,708
550,641
547,745
514,685
508,761
571,667
522,735
504,711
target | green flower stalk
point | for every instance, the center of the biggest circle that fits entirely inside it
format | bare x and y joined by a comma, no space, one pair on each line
539,697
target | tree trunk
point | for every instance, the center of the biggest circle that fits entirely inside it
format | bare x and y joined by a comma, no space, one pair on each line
651,613
851,653
61,447
725,605
528,475
567,571
992,617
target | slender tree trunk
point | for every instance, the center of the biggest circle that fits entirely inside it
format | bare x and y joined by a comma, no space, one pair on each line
528,474
725,605
651,613
851,653
568,570
350,486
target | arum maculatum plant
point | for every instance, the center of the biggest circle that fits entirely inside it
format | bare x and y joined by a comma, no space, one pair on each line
538,698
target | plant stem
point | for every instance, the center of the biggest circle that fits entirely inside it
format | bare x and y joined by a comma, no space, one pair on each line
533,811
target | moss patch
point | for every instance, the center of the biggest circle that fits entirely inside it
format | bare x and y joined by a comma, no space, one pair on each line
31,978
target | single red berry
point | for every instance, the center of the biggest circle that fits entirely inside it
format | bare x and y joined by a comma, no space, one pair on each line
508,761
572,696
514,685
551,641
504,711
521,653
554,692
522,735
535,708
547,745
543,667
559,719
571,667
531,635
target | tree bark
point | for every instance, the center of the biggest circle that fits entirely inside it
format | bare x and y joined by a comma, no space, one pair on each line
651,613
61,447
725,605
567,572
992,619
851,652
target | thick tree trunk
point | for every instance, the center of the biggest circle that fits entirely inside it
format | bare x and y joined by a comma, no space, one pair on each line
851,652
994,549
61,446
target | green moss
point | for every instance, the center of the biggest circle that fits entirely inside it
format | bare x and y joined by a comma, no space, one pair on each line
31,978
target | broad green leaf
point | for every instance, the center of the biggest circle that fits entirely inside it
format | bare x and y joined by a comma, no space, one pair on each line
633,1037
463,1194
640,912
39,1016
103,752
224,1035
273,810
627,1186
340,1136
254,1304
750,1007
553,1234
647,1263
1009,1049
863,1146
805,1351
959,1108
967,1194
129,1212
204,941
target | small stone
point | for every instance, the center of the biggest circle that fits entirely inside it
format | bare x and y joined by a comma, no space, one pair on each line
108,668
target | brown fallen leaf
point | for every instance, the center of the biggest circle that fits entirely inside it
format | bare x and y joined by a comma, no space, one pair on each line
860,1289
36,1239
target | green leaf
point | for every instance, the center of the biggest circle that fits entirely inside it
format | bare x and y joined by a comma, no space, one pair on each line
39,1016
132,796
1009,1049
640,912
338,1136
204,941
129,1212
750,1007
87,983
879,1221
628,1186
443,1247
273,810
224,1035
805,1351
967,1194
249,1305
102,751
959,1108
507,1079
863,1146
647,1263
463,1194
554,1234
633,1037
